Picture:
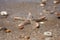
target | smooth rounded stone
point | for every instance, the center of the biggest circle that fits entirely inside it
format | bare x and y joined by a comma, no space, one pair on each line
49,34
3,13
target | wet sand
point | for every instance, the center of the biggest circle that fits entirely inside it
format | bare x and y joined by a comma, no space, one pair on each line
22,9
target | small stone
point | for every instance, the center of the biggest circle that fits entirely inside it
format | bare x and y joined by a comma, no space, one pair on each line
42,5
56,2
3,13
41,22
27,37
7,31
48,33
52,12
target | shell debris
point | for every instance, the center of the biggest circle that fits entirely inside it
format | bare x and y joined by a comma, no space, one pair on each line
3,13
48,33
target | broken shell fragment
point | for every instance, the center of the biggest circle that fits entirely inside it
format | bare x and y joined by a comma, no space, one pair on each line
3,13
7,31
49,34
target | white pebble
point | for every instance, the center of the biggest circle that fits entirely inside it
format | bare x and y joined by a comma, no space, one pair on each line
48,33
42,5
55,2
41,22
3,13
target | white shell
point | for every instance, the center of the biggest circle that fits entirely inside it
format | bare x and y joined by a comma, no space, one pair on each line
3,13
48,33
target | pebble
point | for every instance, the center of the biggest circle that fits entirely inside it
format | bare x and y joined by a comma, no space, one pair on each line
41,22
56,2
42,5
8,31
49,34
3,13
27,37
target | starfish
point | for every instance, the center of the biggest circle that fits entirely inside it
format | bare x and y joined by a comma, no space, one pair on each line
29,19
